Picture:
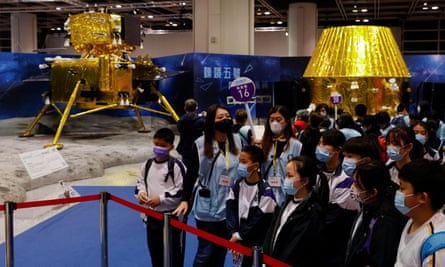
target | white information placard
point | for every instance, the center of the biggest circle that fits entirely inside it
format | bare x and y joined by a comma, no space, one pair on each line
42,162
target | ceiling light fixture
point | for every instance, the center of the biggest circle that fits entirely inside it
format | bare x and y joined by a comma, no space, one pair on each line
355,10
267,13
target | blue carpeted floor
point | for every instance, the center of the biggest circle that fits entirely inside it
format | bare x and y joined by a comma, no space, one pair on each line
72,238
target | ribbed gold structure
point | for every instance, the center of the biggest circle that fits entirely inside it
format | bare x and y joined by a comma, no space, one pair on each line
362,63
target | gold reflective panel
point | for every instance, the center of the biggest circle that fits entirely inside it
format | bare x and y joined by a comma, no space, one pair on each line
361,63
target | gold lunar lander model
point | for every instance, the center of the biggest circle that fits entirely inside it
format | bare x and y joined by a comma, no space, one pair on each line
105,77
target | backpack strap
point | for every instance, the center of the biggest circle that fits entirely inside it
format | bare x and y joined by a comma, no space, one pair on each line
432,244
171,168
147,168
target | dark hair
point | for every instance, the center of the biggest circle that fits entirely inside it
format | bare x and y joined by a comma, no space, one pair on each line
267,136
360,110
315,119
333,137
426,176
382,117
209,131
240,115
401,107
320,106
255,153
165,134
364,146
374,175
345,121
190,105
307,168
369,120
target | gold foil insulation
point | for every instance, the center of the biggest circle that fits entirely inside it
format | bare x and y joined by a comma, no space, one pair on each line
97,34
361,63
105,84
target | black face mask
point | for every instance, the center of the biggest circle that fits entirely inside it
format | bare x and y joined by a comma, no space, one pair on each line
224,126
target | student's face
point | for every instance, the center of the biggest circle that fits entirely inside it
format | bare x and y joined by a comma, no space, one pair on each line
355,157
222,114
410,198
162,143
277,117
292,174
333,152
418,129
244,158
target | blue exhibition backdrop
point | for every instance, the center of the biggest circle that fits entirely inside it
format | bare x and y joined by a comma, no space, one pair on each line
207,78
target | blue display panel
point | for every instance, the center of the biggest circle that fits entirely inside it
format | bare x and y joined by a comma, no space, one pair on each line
207,78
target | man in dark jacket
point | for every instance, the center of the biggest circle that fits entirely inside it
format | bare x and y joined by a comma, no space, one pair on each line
190,127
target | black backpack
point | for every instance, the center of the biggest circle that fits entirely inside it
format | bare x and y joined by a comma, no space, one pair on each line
171,173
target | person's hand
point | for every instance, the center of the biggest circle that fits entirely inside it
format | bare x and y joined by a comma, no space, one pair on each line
233,239
154,201
142,198
181,209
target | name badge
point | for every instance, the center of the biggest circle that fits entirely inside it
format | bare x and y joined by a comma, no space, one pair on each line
225,180
274,181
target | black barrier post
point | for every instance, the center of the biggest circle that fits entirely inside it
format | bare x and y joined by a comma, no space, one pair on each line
257,256
167,237
104,197
9,233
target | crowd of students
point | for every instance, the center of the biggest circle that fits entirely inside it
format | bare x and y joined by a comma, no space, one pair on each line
312,191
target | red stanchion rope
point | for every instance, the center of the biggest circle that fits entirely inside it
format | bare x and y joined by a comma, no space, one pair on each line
40,203
210,237
157,215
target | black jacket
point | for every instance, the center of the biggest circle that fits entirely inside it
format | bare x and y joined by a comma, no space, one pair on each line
298,241
190,127
376,240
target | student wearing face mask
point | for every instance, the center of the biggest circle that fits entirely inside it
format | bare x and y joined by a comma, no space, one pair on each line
422,135
376,231
422,199
341,209
295,233
402,147
279,145
250,204
358,149
214,164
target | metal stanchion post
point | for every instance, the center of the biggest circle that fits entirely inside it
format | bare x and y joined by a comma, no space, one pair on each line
257,256
9,233
167,240
104,197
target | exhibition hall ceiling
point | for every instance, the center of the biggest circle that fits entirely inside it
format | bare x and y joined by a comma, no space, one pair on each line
178,15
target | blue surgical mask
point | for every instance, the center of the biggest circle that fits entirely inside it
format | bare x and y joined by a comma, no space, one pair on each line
355,195
242,170
394,153
288,187
160,152
348,166
421,138
399,203
322,154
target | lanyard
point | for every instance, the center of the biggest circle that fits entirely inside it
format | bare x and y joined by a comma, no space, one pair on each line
274,158
226,155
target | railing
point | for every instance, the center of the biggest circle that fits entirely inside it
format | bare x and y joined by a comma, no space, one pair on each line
256,252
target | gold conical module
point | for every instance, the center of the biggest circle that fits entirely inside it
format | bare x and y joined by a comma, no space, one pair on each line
362,63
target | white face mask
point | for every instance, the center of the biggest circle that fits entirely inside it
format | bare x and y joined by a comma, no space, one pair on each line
276,127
